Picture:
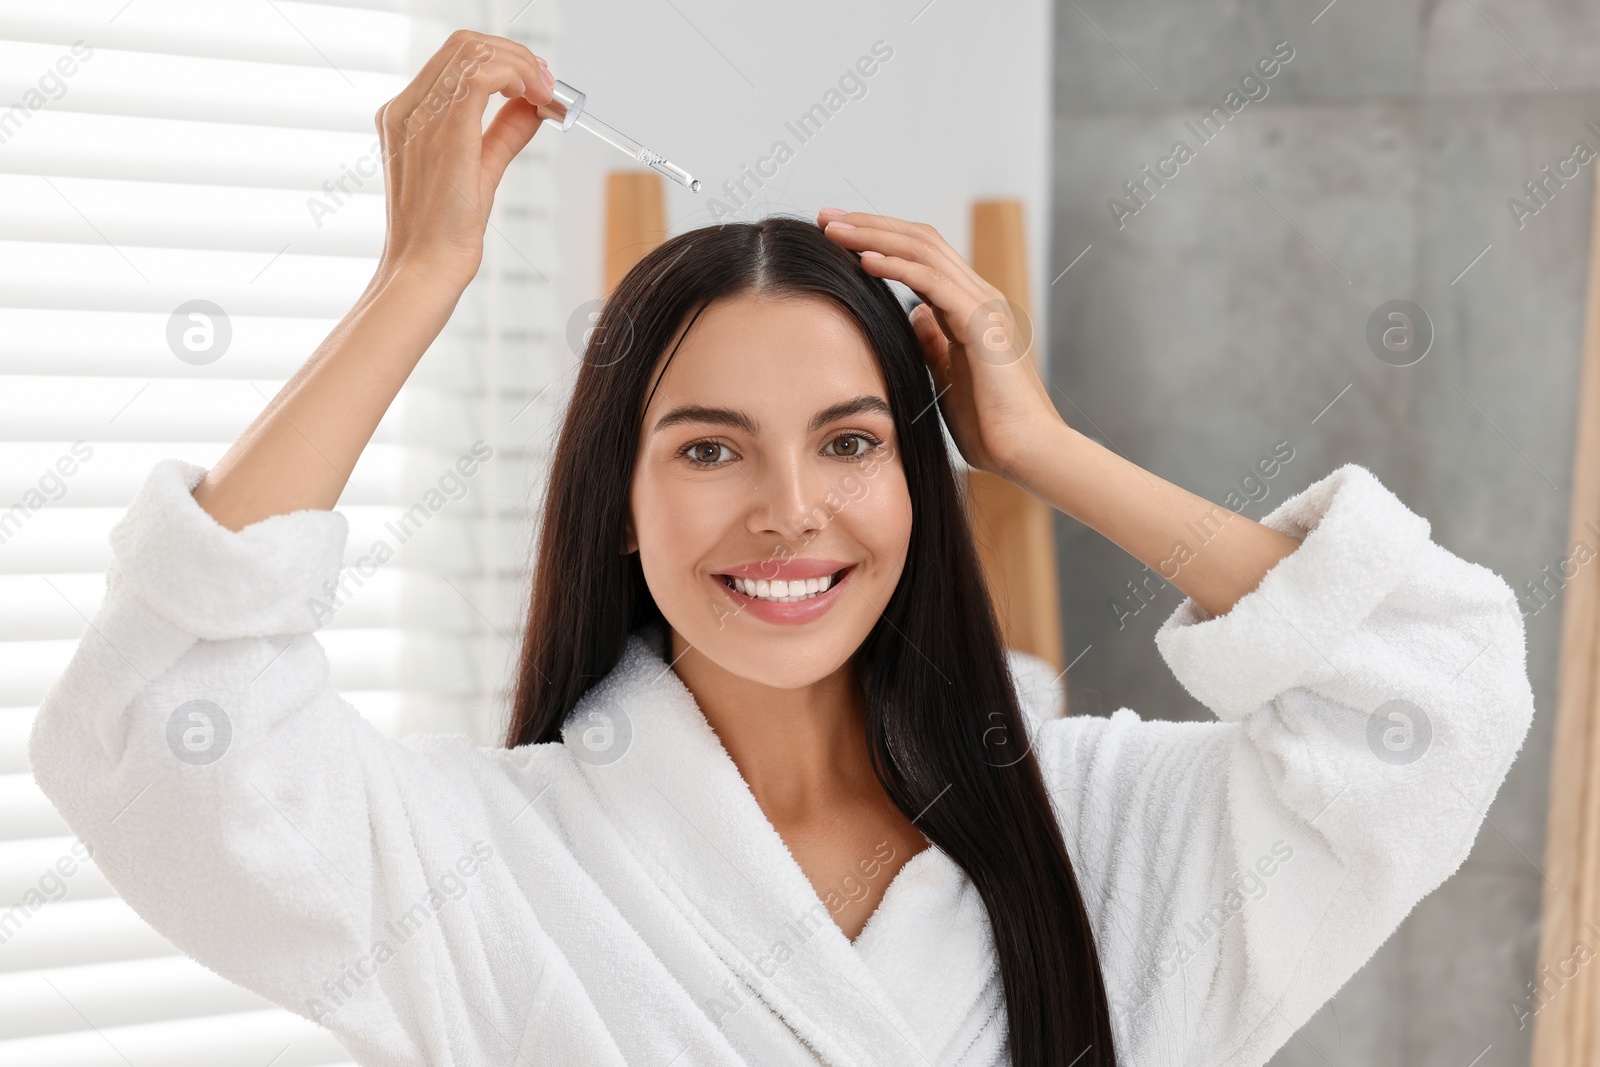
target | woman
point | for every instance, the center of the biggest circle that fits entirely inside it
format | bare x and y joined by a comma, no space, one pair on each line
768,794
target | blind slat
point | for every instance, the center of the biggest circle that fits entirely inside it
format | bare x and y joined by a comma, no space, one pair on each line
109,82
278,1037
31,866
119,993
351,38
93,274
174,215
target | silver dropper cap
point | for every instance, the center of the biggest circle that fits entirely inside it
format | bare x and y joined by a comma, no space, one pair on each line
565,108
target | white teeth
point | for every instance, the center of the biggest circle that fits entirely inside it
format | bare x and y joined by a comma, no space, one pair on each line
783,592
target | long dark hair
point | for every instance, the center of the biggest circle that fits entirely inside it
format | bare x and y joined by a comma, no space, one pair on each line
944,728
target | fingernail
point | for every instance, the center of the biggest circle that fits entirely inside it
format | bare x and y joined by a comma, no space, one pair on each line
832,211
841,225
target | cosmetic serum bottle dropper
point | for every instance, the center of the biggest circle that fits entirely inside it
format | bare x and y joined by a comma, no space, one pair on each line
567,111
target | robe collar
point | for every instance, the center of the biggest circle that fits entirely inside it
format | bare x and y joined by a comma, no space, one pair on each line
904,992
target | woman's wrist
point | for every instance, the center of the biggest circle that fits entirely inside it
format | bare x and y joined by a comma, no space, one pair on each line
434,282
395,321
1049,450
1151,519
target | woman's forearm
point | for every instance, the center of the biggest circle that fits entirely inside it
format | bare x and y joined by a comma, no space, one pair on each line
299,451
1210,553
441,167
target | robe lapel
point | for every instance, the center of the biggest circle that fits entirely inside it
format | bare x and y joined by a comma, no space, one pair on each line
661,773
931,947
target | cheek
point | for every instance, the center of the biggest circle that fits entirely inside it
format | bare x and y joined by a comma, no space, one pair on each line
678,524
877,515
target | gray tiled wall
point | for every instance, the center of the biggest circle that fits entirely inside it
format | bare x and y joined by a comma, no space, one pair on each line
1230,312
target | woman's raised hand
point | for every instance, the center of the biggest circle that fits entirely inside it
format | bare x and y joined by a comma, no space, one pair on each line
441,166
989,390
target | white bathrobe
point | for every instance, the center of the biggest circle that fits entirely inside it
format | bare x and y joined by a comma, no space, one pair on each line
620,898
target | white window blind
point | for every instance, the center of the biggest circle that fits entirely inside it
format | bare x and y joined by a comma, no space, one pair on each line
155,153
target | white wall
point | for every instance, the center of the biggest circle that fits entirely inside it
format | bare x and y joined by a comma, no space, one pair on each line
960,111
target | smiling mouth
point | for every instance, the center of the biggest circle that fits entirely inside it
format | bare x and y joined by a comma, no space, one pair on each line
810,588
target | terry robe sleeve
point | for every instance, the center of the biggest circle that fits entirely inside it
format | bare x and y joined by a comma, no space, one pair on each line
416,897
1371,693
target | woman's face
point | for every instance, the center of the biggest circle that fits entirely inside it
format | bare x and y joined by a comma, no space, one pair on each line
768,453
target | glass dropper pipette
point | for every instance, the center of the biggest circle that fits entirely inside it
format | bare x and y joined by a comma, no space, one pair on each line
567,111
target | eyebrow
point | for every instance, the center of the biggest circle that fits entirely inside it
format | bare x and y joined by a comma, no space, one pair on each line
738,420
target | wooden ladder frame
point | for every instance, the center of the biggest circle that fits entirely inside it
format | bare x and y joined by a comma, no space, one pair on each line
1567,1027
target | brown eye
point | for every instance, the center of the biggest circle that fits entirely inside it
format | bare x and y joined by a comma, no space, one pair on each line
703,454
860,446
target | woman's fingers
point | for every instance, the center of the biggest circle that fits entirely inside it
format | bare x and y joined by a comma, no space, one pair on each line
464,51
525,57
933,285
920,234
919,265
509,133
935,344
467,99
514,74
468,67
891,237
425,83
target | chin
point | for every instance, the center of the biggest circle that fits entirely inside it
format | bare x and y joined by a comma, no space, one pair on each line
778,656
785,661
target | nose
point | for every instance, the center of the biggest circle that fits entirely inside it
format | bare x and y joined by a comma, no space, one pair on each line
790,500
